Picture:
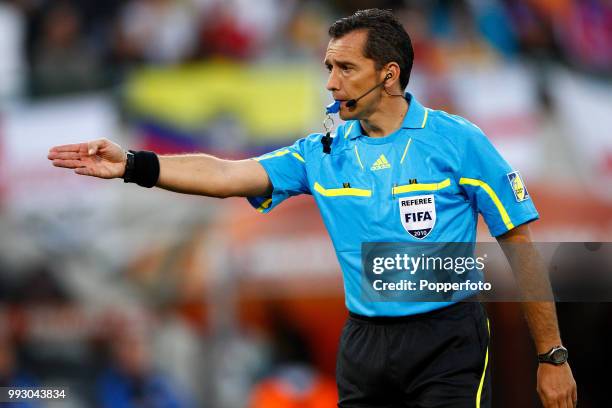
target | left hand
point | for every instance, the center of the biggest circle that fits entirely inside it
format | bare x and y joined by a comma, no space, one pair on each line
556,386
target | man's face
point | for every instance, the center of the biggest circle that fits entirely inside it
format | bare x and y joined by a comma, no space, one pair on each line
351,74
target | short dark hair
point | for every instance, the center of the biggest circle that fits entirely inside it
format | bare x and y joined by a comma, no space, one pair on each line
387,39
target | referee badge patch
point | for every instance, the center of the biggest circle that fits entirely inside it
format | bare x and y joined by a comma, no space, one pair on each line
518,186
418,214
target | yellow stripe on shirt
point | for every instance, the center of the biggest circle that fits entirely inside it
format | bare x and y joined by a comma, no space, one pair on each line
407,188
500,207
336,192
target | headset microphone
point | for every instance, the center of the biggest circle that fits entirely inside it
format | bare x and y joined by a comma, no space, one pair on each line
353,102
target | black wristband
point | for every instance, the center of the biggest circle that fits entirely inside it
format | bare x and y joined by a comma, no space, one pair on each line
142,168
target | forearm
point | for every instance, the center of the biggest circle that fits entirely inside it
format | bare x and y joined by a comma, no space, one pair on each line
206,175
542,321
538,305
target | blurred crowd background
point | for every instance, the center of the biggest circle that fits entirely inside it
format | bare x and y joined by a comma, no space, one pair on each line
135,298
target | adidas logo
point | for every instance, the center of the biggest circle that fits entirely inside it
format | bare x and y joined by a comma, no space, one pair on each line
381,163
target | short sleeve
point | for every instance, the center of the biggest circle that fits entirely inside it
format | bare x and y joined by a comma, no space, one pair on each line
497,191
286,168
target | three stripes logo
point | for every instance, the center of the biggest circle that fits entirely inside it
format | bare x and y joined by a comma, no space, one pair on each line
381,163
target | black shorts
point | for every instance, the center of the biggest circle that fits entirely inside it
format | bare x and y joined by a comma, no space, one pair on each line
437,359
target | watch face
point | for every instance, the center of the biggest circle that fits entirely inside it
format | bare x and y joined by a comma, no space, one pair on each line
559,356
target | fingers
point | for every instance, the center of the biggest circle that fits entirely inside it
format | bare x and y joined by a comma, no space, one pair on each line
69,164
574,397
77,166
567,402
76,147
90,147
63,155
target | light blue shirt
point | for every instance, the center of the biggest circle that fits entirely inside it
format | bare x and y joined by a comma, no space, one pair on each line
425,182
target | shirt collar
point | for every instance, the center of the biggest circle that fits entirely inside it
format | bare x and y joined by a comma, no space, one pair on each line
416,118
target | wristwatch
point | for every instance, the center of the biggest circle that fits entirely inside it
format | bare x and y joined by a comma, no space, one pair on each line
128,175
556,355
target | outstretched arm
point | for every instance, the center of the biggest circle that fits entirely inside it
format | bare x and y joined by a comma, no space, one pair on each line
199,174
556,385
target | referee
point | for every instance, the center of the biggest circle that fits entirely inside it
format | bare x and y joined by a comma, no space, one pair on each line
390,148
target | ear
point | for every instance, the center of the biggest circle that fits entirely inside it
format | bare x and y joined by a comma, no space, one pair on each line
391,75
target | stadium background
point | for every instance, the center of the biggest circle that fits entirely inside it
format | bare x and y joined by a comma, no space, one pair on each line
114,290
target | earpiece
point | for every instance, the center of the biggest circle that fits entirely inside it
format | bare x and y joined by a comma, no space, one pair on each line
388,76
